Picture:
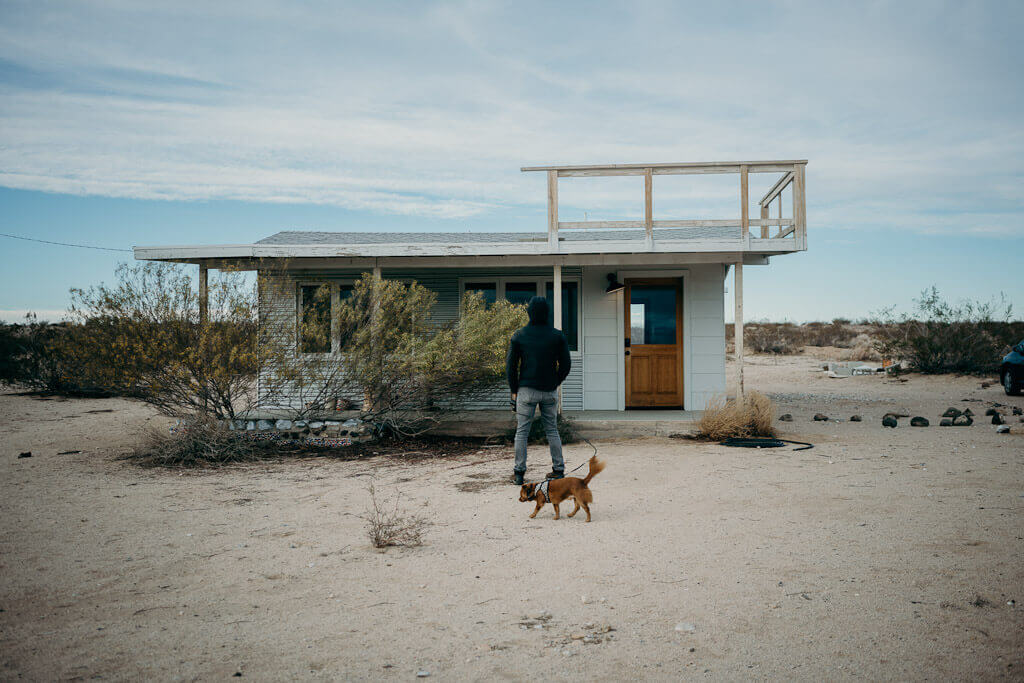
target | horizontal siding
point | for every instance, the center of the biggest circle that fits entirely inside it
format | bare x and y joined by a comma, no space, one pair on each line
279,308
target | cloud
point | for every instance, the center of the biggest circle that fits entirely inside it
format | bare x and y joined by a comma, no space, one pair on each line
429,110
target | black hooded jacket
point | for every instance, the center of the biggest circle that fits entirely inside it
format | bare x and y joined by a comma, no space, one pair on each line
538,355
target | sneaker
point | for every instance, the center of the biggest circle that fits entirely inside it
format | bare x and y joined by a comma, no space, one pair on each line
517,478
555,474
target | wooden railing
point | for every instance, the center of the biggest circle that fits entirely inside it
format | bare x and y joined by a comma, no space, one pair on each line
793,226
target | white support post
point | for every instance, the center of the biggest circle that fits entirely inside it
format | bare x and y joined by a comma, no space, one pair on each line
738,296
553,210
204,294
556,287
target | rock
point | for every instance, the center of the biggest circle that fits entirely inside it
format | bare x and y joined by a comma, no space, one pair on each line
889,421
422,673
351,422
997,419
986,385
964,420
1018,411
26,454
578,636
283,425
897,415
918,422
821,418
264,425
946,422
991,411
856,418
300,424
786,418
968,413
952,412
316,425
685,627
1003,429
250,425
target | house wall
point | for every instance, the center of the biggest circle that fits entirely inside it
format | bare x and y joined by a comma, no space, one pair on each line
703,336
282,305
597,379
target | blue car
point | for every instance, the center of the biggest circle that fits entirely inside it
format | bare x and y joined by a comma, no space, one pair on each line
1011,372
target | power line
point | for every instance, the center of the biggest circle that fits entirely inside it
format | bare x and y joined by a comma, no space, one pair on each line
63,244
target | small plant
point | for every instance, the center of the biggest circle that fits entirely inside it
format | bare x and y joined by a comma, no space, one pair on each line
203,442
749,415
389,526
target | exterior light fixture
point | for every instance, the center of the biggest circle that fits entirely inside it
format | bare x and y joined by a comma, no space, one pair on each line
613,284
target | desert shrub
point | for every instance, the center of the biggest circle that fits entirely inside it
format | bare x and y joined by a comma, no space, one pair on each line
37,355
143,337
862,349
940,337
201,442
775,338
402,369
750,415
389,525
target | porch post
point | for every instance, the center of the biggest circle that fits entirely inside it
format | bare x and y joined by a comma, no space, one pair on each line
557,315
738,296
204,294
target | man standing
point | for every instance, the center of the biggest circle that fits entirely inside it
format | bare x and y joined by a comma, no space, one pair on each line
538,362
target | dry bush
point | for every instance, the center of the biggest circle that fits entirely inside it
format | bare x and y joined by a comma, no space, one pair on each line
775,338
202,443
389,526
863,349
750,415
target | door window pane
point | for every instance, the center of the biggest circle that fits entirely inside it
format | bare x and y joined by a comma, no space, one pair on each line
570,311
315,323
520,292
652,314
489,290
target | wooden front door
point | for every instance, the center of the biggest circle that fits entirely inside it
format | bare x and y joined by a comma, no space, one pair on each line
654,343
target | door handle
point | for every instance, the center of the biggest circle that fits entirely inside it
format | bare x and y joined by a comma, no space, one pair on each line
627,352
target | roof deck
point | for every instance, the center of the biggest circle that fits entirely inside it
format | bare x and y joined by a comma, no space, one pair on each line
779,229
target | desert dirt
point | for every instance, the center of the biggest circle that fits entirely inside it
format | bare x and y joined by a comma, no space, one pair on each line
880,554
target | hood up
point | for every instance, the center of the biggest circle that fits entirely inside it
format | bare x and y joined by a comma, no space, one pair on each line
537,309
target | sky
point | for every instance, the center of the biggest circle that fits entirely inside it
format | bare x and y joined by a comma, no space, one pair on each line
127,123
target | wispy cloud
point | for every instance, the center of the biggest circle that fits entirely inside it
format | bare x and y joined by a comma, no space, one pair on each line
909,114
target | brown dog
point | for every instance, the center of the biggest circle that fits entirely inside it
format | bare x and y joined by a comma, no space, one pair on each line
561,489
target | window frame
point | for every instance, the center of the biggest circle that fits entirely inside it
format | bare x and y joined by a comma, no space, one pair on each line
335,289
540,282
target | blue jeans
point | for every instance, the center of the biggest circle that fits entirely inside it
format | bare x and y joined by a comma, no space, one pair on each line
527,401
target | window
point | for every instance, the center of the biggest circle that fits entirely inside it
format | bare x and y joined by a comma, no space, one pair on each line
570,310
345,334
652,314
520,292
315,321
489,290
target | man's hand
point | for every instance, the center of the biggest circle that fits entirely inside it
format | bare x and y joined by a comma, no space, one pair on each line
514,402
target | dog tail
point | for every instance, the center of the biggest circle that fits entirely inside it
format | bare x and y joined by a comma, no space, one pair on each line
595,467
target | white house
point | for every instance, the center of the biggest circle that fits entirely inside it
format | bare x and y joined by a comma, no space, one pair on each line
641,302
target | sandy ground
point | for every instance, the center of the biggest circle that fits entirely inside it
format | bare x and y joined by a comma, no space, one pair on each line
880,554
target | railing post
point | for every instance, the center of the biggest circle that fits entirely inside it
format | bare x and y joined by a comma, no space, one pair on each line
553,210
649,207
764,222
744,204
799,207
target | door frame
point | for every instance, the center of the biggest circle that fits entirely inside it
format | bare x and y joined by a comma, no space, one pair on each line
656,278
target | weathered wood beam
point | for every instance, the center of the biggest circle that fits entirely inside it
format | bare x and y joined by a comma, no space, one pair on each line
686,164
777,188
553,210
649,207
744,202
204,294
